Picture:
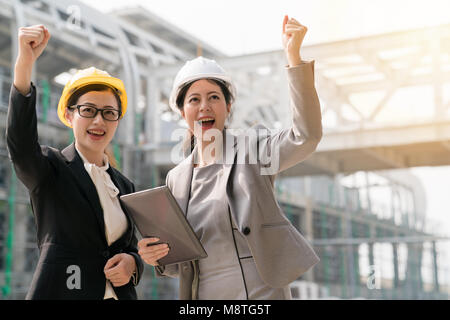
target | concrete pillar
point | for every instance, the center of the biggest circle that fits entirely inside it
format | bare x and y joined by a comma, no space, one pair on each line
372,234
413,273
307,227
345,256
396,283
371,267
308,232
435,267
152,130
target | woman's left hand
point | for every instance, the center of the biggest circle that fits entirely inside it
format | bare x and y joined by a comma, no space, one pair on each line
293,35
119,269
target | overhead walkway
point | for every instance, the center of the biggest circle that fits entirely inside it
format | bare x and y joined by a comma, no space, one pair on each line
385,100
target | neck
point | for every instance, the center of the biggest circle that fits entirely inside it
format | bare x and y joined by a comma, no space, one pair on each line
205,154
92,157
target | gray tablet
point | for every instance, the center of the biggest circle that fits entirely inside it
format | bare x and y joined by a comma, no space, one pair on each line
156,213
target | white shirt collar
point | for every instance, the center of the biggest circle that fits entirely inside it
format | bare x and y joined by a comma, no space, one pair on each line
105,160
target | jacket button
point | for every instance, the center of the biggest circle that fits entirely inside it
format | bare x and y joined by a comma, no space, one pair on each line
246,231
105,253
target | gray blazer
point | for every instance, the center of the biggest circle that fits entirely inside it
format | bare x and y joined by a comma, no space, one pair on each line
280,252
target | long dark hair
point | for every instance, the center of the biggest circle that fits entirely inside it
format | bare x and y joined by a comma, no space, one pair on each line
73,100
189,142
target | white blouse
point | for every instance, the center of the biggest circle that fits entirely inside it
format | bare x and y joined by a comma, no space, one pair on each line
115,220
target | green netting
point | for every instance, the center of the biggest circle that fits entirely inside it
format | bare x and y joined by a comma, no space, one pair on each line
324,258
137,127
6,289
117,155
45,99
71,136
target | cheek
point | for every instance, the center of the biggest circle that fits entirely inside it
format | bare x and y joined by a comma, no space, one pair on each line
221,114
112,128
78,127
189,115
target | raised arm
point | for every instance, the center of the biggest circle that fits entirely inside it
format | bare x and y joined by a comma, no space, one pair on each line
21,131
32,42
288,147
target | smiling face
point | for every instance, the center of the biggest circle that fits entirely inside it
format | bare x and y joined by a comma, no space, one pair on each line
92,135
205,107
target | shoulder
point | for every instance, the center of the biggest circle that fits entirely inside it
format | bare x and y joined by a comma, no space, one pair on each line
179,170
52,154
172,174
47,150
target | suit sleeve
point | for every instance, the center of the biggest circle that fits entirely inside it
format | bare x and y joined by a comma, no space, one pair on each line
22,139
139,264
293,145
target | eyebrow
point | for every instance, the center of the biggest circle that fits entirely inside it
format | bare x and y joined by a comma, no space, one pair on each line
94,105
195,93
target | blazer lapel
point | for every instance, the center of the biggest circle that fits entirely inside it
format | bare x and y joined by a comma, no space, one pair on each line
229,155
85,183
117,182
182,187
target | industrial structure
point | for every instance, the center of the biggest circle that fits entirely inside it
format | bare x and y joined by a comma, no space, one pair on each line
354,198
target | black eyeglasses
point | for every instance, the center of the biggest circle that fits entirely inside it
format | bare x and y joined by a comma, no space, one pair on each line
87,111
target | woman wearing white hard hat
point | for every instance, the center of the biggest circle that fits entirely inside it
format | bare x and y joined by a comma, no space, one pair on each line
254,252
86,240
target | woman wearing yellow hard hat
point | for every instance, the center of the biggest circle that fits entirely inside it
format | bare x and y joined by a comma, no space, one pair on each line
86,239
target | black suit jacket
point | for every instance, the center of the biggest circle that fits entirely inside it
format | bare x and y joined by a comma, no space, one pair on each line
67,210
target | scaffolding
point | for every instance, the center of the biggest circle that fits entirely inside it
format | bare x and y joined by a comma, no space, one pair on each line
362,255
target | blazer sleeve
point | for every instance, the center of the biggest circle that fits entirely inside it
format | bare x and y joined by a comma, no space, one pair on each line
288,147
132,250
22,139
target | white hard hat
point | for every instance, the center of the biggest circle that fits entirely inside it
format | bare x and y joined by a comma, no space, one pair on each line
198,68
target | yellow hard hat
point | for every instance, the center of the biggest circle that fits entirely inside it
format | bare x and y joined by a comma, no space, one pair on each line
86,77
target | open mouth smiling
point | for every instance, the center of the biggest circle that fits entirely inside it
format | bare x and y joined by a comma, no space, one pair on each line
96,132
206,123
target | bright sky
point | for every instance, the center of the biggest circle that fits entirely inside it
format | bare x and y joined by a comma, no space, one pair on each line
244,26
